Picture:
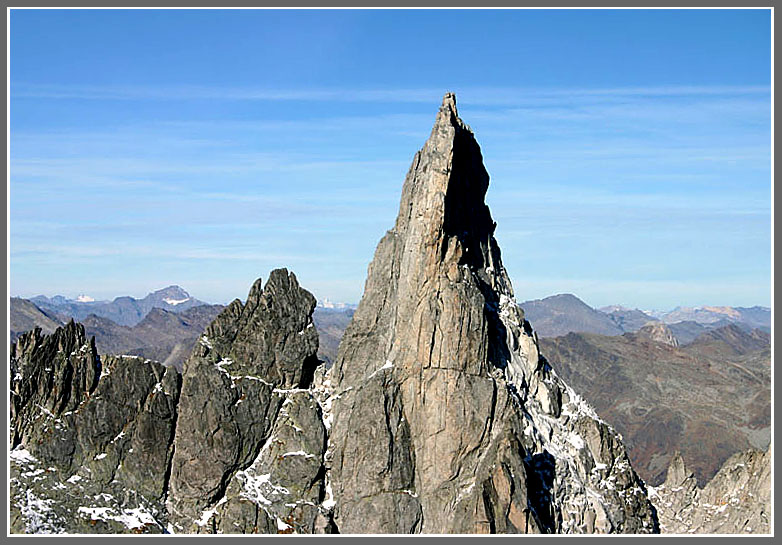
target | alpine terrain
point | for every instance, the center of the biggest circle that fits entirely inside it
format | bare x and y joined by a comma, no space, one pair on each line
439,414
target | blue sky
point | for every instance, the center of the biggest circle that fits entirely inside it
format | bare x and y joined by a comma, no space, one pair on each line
629,150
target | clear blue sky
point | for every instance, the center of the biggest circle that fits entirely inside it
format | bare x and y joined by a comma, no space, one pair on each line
629,150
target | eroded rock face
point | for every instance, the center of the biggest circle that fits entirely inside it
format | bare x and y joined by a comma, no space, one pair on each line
736,500
445,417
250,438
92,439
52,373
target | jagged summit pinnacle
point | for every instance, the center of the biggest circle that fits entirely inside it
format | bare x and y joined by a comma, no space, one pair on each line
448,115
448,109
449,101
443,196
445,417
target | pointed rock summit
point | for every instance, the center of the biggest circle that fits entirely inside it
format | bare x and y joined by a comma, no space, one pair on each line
679,475
446,417
439,415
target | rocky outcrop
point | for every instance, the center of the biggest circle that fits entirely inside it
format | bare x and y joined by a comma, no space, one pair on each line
736,500
92,438
118,444
445,416
628,320
658,332
250,438
49,375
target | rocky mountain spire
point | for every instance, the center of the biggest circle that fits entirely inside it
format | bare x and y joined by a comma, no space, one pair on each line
439,415
446,418
678,474
250,437
121,443
51,374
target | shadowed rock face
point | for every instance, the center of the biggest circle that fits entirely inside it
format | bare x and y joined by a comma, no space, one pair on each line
446,418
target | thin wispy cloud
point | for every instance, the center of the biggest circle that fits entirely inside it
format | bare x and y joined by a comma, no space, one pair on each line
159,159
487,95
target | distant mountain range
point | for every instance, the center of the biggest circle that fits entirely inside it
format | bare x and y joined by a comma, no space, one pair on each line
331,324
328,304
161,335
163,326
125,310
552,316
700,387
561,314
753,316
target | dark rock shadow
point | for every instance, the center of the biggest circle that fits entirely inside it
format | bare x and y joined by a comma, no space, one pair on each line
541,470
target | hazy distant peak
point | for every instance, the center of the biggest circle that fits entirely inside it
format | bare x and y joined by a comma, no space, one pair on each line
561,299
124,310
172,292
562,313
613,308
331,305
658,332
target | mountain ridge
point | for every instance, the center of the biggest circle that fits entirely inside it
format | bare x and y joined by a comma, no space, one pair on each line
559,314
122,310
700,399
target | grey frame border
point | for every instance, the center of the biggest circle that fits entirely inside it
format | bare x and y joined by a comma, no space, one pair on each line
393,4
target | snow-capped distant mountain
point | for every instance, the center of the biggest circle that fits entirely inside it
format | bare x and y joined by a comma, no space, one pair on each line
328,304
125,310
